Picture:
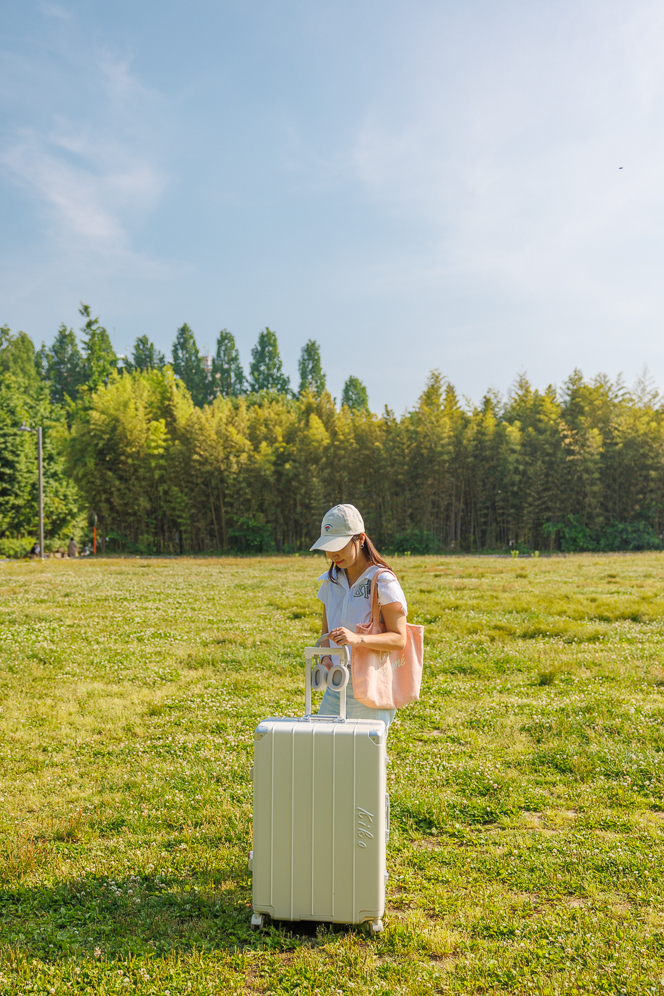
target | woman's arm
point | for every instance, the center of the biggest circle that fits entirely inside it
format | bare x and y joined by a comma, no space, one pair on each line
395,638
326,660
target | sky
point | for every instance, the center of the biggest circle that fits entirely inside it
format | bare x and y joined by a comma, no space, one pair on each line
473,186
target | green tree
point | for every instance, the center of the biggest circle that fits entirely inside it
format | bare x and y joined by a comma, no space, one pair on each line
312,377
23,399
145,356
17,463
17,357
188,367
118,450
62,364
227,374
266,370
431,398
583,467
354,395
99,359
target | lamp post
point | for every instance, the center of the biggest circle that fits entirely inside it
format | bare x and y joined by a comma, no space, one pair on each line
38,430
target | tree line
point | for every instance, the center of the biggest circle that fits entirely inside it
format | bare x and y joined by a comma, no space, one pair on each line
71,369
196,455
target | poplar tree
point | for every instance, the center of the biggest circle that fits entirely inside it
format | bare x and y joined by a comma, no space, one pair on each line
187,365
62,365
354,395
227,374
266,370
99,359
146,356
312,377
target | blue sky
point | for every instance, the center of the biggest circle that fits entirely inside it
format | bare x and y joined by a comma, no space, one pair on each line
413,184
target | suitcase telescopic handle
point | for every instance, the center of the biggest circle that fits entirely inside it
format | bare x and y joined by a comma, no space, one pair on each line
310,653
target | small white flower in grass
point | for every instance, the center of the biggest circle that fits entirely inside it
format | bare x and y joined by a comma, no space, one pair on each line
97,952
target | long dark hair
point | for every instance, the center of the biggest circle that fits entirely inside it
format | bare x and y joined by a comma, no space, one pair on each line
374,559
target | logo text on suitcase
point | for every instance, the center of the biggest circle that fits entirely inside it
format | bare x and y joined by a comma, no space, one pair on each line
364,821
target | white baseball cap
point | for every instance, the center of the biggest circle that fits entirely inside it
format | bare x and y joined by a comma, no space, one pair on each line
338,527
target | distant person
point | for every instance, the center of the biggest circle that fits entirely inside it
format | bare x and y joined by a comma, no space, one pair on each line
34,550
72,549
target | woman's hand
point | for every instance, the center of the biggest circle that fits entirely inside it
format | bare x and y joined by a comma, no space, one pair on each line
394,637
344,638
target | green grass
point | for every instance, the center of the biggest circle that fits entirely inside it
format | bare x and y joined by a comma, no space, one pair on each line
527,813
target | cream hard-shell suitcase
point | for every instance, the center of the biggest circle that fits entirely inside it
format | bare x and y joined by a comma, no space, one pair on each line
321,813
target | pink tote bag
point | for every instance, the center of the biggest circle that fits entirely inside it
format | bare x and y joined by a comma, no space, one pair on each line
387,679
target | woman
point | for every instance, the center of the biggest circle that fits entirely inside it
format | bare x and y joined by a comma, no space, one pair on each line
346,596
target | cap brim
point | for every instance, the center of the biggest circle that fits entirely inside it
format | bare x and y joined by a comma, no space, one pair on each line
331,544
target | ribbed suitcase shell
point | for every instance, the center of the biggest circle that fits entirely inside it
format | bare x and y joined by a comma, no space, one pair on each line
319,819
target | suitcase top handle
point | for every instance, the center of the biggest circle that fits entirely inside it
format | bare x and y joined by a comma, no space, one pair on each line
310,653
318,651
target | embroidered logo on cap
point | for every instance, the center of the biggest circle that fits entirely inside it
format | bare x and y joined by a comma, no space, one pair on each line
327,527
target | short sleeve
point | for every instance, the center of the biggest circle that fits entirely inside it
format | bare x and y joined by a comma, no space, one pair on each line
322,591
389,590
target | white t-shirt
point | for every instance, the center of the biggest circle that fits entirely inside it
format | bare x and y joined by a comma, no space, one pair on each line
350,607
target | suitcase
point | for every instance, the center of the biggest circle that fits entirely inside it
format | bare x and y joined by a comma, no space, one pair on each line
321,812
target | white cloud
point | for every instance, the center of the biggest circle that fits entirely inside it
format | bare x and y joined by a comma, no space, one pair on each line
74,196
94,178
88,198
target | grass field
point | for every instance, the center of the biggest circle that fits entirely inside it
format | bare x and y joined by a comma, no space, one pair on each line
527,811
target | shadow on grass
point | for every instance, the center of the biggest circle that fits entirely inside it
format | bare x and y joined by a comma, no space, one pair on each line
135,915
140,916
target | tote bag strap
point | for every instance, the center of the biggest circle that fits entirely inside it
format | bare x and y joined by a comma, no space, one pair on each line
376,614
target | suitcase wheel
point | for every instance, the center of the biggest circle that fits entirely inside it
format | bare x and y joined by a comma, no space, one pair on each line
257,921
375,927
